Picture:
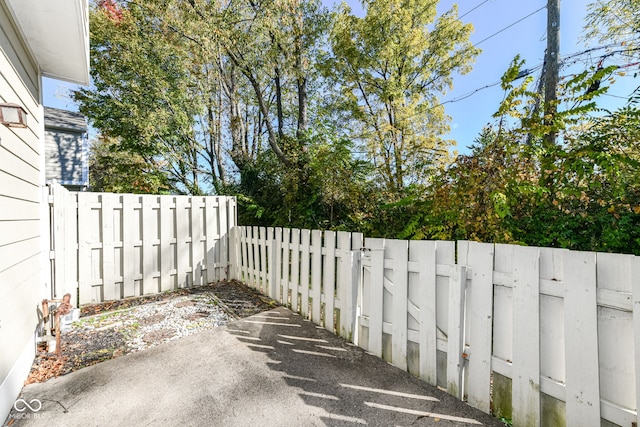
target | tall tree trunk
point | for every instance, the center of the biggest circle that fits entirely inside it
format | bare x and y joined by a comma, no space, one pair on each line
279,104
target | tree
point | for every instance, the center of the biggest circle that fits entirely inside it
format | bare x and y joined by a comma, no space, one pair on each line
142,92
614,20
115,170
200,84
391,68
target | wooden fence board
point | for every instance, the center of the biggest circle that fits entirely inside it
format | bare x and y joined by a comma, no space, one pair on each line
167,243
211,230
254,257
329,278
277,295
227,220
526,336
398,251
286,266
343,282
316,275
244,253
353,274
479,257
149,245
88,293
615,332
109,276
198,242
552,314
375,248
305,278
295,268
423,254
455,330
271,255
581,344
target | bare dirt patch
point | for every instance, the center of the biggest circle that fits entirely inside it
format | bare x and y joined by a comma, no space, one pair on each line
114,328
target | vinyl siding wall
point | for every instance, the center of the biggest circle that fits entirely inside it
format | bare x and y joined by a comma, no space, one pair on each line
22,283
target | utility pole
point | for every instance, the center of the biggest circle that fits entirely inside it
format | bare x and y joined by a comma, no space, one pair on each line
551,81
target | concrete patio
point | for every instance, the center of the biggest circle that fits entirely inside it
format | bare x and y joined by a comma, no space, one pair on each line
272,369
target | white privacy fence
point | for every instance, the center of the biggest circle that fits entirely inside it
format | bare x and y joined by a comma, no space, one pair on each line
542,336
312,272
108,246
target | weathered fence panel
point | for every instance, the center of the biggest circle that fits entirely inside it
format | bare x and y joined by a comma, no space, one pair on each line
111,246
310,272
538,335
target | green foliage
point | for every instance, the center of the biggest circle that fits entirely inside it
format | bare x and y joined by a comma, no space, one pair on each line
114,169
326,190
240,98
391,68
141,90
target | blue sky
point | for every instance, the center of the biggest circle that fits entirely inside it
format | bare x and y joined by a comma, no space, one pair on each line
527,38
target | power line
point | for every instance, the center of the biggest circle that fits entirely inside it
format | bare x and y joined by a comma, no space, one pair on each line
529,71
509,26
485,1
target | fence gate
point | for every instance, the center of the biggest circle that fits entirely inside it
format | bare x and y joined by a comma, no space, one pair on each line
107,246
411,309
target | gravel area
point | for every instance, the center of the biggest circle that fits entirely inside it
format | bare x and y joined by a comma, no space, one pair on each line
114,328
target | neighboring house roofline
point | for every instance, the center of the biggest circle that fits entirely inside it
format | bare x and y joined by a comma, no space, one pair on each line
58,119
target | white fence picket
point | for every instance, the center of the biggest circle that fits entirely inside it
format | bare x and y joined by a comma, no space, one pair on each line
455,331
616,355
109,263
396,255
526,336
227,219
262,242
581,343
150,245
305,265
212,212
343,283
329,278
352,273
167,244
286,266
422,254
479,258
295,269
316,275
372,310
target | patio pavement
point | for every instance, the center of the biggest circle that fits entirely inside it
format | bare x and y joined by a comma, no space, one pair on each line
272,369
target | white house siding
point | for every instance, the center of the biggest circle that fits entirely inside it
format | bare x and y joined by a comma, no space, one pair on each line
22,283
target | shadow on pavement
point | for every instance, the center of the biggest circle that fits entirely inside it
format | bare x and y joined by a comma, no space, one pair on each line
351,386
